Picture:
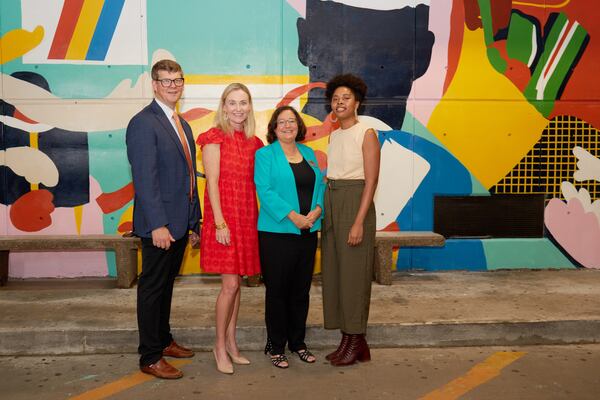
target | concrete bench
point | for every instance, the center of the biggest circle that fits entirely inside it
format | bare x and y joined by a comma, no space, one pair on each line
126,249
384,246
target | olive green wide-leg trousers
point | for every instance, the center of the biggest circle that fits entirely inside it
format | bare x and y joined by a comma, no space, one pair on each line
347,270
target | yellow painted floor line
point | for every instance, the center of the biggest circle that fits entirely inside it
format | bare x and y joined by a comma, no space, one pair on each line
124,383
478,375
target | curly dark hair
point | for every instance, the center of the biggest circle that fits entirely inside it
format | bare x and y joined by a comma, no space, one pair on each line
352,82
271,136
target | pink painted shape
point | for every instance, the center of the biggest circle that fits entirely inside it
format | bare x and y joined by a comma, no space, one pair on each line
298,5
3,219
577,231
63,264
431,84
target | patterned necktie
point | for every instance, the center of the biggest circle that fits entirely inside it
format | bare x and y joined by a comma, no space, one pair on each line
186,151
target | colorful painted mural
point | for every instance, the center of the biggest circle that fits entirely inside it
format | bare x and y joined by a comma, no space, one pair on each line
470,97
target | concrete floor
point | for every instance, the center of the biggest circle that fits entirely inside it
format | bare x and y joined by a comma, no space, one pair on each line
538,372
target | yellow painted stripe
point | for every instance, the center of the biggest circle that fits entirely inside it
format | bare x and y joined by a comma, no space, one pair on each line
34,144
122,384
78,212
479,374
543,5
84,30
246,79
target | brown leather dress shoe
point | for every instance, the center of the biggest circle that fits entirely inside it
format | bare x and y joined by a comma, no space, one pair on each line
162,369
177,351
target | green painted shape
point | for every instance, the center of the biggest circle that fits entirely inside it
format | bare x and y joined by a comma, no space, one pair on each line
496,60
518,42
485,11
524,253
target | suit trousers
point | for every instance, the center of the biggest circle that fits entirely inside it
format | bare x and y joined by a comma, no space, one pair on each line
347,270
154,292
287,263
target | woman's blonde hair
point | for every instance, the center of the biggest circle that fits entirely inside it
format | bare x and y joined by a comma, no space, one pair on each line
223,123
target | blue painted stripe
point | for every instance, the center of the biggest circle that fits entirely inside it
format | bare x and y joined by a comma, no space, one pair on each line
105,29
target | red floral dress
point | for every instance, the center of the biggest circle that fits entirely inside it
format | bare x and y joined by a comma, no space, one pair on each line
238,204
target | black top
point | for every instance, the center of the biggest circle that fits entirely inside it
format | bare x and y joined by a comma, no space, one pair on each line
305,185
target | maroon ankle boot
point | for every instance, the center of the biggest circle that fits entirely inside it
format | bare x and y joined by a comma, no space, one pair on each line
357,349
340,348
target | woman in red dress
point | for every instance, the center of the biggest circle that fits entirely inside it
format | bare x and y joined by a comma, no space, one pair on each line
229,241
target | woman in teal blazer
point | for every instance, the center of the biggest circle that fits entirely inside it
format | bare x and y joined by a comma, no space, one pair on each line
290,190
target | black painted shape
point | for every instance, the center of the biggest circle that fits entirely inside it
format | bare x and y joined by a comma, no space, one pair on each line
69,152
33,78
497,216
13,186
388,49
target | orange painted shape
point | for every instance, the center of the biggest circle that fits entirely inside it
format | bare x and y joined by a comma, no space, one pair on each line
478,375
122,384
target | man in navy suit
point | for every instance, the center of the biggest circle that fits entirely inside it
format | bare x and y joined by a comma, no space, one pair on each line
161,151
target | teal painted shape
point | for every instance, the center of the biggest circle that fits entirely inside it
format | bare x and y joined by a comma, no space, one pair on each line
520,35
524,253
10,16
236,37
414,126
478,189
108,159
110,168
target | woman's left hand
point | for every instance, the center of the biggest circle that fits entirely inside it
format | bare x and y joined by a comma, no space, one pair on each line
356,235
314,214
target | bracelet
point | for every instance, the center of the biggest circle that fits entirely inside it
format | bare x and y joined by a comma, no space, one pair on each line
220,226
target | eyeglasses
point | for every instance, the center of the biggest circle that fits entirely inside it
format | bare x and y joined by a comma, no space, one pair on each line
283,122
167,82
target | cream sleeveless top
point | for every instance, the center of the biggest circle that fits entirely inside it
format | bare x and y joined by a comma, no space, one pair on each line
344,154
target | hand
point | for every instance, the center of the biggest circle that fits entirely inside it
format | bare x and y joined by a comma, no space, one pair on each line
161,238
194,240
356,234
223,236
301,221
314,214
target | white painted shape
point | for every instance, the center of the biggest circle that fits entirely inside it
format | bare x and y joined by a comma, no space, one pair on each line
32,164
534,46
570,192
24,126
401,173
374,123
588,165
129,45
382,4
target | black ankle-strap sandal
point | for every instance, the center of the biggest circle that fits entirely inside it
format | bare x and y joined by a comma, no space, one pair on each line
278,359
268,346
305,356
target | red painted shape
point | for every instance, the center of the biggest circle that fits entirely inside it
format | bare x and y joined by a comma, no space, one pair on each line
20,116
321,159
64,31
457,26
110,202
299,91
318,131
471,13
516,71
392,227
31,212
501,12
125,227
195,113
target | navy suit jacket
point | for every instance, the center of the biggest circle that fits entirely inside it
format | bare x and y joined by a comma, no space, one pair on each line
160,175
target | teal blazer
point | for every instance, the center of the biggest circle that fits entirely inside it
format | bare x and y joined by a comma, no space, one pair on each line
276,188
